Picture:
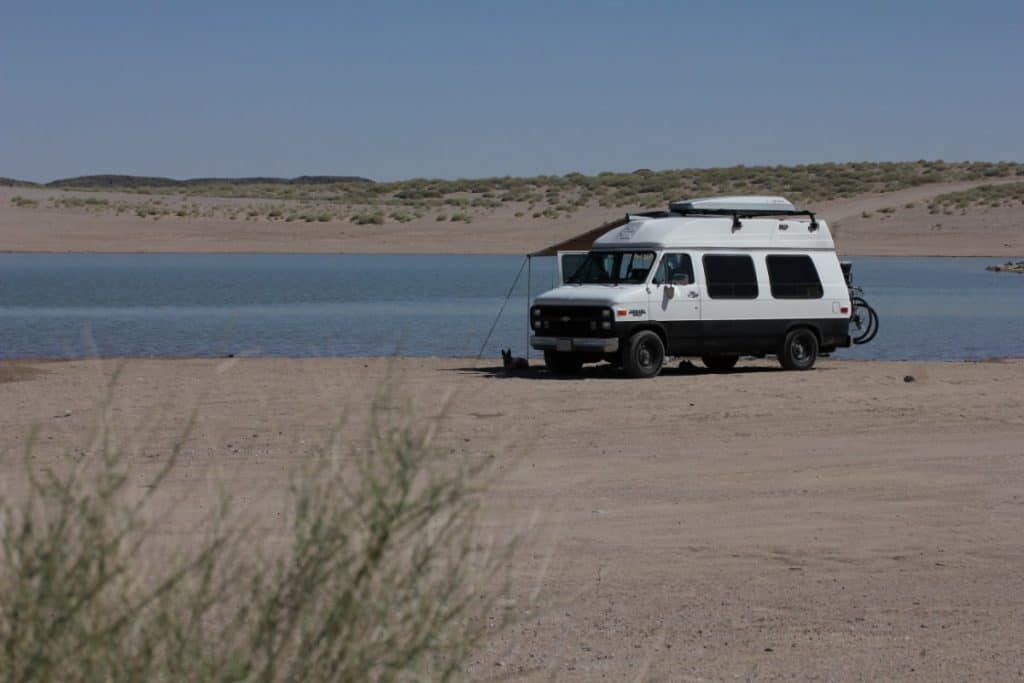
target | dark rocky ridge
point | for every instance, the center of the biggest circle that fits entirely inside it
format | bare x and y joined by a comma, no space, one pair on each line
130,181
11,182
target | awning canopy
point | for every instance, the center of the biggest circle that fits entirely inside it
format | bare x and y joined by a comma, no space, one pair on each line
581,242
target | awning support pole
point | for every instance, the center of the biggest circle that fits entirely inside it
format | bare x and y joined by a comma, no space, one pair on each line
502,309
529,281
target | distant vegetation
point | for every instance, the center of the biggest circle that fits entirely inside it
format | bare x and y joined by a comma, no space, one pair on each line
361,201
991,196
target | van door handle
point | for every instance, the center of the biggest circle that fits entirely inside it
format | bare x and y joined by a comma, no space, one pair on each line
693,294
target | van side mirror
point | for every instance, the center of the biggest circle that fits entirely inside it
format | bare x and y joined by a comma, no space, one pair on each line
670,292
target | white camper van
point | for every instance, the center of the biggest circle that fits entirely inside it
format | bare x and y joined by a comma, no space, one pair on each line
712,278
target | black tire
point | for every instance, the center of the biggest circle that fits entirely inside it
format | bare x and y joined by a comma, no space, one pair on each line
724,362
562,362
799,350
643,355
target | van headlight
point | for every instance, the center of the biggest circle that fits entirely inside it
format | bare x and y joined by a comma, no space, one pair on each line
536,324
606,325
606,314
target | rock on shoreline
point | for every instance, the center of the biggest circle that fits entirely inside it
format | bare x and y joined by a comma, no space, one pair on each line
1008,267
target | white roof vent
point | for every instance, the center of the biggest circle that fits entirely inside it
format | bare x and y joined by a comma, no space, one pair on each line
733,204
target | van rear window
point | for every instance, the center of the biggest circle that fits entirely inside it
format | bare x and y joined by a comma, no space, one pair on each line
793,277
730,277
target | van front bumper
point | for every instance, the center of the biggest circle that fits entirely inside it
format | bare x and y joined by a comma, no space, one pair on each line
598,344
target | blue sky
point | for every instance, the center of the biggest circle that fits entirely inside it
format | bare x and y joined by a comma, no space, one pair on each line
395,90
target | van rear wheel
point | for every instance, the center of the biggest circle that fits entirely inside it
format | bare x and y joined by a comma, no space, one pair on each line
643,355
799,350
562,362
725,362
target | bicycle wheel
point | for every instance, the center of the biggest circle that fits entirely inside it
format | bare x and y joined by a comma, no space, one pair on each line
872,326
863,322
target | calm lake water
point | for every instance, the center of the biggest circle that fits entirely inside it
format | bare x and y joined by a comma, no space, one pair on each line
75,305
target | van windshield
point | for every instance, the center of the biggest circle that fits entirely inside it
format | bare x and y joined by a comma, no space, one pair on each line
613,268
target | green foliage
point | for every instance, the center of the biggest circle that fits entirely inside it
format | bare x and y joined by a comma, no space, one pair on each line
382,575
24,202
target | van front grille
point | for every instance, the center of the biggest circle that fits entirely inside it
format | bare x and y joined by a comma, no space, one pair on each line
570,321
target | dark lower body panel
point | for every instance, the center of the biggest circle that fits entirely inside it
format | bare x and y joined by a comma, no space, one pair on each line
744,337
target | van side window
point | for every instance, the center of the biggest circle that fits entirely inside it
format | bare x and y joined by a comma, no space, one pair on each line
794,277
674,269
730,277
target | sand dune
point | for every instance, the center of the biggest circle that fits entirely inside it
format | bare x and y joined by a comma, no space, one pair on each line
836,524
906,231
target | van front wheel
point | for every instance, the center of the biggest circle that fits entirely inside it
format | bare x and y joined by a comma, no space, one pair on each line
799,350
643,355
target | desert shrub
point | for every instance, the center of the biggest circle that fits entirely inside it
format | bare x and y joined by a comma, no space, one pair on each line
369,218
382,575
24,202
77,202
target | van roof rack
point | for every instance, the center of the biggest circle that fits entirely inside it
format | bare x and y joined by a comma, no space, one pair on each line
735,203
737,207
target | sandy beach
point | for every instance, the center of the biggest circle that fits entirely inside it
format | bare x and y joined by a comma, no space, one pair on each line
895,223
830,525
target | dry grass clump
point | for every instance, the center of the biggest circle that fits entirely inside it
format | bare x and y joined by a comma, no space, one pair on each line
80,202
24,202
369,218
382,575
